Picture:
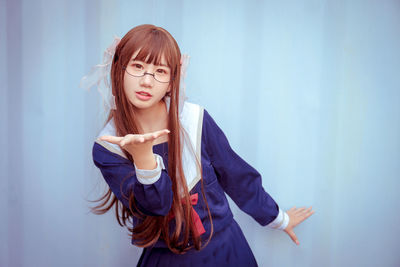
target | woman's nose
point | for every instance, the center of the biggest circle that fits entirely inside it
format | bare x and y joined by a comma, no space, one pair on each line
147,80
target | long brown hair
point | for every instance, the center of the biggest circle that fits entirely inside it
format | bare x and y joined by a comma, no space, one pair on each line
153,43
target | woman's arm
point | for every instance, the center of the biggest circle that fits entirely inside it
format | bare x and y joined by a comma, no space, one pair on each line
239,180
243,184
152,189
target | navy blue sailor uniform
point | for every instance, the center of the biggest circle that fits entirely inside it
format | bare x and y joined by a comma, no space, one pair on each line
223,172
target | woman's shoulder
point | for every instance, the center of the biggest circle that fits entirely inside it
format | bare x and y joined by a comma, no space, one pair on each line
195,116
192,117
191,109
195,112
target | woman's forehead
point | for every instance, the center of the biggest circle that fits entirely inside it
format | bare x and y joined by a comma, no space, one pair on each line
157,60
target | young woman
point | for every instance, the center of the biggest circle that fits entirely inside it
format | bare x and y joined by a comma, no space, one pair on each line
168,164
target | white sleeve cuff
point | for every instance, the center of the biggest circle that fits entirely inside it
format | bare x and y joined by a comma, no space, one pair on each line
281,221
150,176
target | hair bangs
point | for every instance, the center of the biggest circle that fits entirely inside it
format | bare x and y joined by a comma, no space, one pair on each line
152,49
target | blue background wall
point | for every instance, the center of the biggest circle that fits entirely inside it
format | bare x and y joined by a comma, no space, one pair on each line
308,92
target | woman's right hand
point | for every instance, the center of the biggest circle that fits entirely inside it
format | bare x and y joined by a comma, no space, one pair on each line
140,146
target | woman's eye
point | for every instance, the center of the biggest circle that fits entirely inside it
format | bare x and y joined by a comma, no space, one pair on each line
161,71
137,66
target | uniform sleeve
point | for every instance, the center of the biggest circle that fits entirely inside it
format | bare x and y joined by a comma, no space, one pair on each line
152,189
239,180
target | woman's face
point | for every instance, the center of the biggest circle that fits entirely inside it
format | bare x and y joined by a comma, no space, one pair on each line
146,91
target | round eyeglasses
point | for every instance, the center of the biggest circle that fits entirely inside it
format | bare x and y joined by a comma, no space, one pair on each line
161,75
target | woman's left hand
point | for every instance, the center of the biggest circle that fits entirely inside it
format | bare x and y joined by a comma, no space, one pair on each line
296,216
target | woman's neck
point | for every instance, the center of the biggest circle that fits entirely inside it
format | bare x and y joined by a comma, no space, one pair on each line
154,118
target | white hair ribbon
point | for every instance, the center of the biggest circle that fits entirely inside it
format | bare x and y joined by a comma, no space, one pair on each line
100,74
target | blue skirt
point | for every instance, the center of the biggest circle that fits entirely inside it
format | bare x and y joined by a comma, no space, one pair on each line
228,247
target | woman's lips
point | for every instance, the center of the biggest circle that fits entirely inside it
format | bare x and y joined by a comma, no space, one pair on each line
143,95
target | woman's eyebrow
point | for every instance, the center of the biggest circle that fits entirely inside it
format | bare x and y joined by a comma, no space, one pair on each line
135,60
161,64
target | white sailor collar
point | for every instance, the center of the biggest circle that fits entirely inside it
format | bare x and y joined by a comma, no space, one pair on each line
191,118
